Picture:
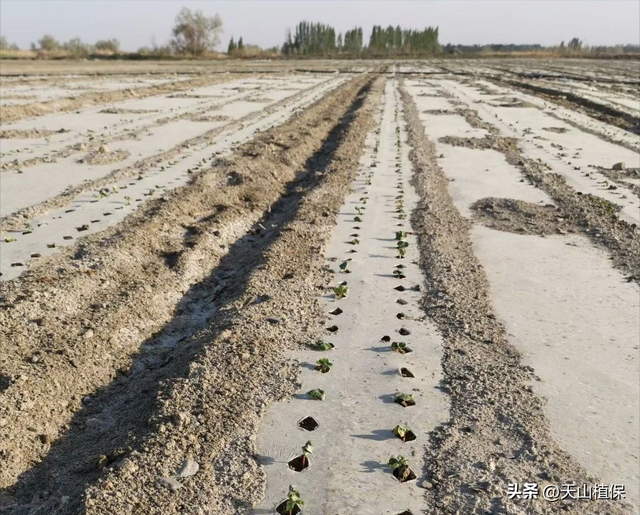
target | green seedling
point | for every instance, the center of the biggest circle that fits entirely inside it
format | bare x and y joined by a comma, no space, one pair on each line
354,241
402,244
404,433
404,399
323,346
359,210
316,394
357,219
9,239
398,274
400,468
401,235
344,267
128,200
292,504
341,291
400,347
396,462
323,365
402,251
103,192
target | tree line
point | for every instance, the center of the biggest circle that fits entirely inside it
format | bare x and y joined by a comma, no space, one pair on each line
319,39
196,35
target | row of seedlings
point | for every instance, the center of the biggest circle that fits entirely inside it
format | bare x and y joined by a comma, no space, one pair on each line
293,504
398,464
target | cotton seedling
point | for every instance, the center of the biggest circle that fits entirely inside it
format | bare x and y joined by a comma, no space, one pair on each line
323,346
400,468
402,244
396,462
128,200
354,241
9,239
357,219
103,192
400,347
402,251
404,399
344,267
401,235
316,394
404,433
323,365
293,503
341,291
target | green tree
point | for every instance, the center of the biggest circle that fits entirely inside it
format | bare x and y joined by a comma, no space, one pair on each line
310,39
232,46
194,33
353,41
240,44
575,44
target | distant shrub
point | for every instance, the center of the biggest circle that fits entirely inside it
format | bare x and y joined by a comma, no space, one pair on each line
76,49
108,45
48,43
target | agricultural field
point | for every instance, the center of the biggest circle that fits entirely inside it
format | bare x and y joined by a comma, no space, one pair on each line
377,287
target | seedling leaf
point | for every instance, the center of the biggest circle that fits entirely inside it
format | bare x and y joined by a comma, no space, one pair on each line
341,291
396,462
316,394
323,365
320,345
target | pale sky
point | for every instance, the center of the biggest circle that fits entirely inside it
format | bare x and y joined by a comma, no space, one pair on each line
263,22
